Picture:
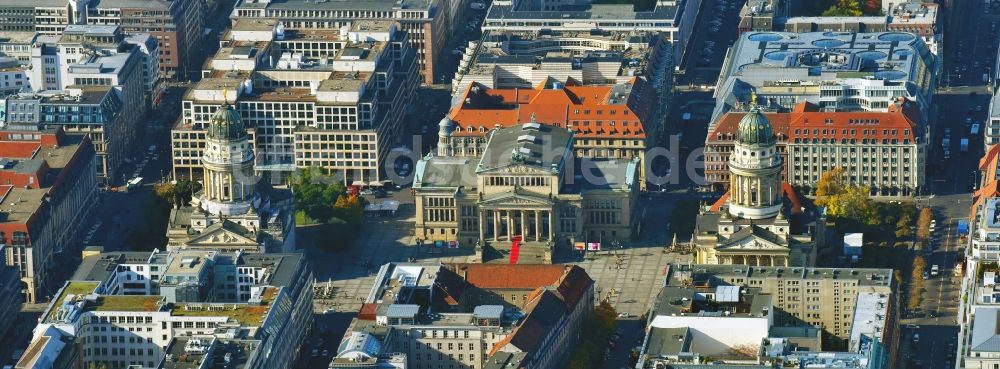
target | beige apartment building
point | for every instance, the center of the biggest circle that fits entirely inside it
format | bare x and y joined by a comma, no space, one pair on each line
884,151
427,22
311,98
826,298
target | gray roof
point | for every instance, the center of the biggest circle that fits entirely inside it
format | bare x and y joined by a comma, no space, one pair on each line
605,174
717,366
402,311
102,4
445,172
488,311
99,267
383,5
602,12
284,267
886,55
667,341
539,145
984,330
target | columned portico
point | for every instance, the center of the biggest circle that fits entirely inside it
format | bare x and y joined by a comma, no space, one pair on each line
530,224
753,260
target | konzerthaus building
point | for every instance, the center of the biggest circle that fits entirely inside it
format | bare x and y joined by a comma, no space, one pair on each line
526,185
618,121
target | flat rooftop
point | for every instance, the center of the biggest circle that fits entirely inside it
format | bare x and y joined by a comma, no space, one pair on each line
596,12
71,288
778,55
254,24
380,5
246,314
685,301
865,276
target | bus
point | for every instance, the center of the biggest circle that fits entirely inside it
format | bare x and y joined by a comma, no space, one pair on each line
132,183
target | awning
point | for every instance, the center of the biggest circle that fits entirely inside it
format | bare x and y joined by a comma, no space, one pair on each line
375,183
358,183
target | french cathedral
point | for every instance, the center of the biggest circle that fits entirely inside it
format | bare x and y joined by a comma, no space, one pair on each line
761,221
234,211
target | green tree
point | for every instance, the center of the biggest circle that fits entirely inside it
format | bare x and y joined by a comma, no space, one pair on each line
854,203
831,183
903,226
844,8
184,190
316,194
349,208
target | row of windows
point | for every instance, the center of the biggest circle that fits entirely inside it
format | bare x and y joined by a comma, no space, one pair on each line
518,181
866,132
884,141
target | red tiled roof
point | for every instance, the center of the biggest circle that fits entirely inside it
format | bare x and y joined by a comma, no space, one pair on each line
18,150
585,109
726,128
787,191
805,121
988,166
368,311
506,276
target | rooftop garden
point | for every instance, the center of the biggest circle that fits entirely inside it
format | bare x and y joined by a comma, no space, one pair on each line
244,314
72,288
127,303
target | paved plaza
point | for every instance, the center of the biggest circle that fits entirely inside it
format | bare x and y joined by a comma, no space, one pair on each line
629,278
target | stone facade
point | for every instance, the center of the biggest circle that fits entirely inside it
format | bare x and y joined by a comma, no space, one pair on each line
748,225
232,212
524,186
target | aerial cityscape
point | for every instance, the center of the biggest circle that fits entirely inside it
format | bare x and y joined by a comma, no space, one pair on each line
499,184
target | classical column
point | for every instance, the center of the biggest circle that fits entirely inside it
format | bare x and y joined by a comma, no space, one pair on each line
482,233
524,224
510,225
496,225
771,259
552,228
538,225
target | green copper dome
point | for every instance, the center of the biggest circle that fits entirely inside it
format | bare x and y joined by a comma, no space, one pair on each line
755,129
226,124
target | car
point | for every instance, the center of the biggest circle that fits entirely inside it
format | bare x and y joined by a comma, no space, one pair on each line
916,337
927,276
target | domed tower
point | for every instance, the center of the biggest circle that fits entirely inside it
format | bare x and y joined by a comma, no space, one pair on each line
228,161
755,168
444,137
